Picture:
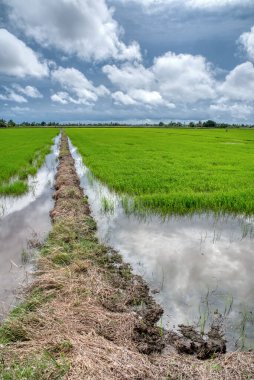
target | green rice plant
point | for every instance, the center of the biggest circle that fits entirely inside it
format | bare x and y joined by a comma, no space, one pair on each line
25,257
22,152
204,313
161,329
228,301
247,318
172,171
107,205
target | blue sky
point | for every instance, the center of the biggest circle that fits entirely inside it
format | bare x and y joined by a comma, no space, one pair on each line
127,60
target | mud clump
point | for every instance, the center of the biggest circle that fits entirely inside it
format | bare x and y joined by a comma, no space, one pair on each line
191,342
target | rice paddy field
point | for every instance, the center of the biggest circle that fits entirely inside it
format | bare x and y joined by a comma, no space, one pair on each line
22,152
173,171
181,269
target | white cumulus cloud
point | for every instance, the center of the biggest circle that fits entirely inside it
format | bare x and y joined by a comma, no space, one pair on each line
171,79
235,95
63,98
12,96
73,81
129,76
235,110
125,99
17,59
184,77
85,28
29,91
184,83
239,83
247,40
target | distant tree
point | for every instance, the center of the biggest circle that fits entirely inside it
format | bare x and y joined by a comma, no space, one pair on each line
192,125
43,124
3,123
209,124
161,124
222,125
11,124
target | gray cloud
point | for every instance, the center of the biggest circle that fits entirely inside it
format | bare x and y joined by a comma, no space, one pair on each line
154,5
85,28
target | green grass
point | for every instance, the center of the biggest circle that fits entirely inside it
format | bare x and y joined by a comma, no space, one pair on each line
173,171
22,152
36,368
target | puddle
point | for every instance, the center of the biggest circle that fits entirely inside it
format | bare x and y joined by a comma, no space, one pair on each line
200,268
24,218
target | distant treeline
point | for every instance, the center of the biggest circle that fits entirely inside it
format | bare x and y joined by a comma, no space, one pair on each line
172,124
12,124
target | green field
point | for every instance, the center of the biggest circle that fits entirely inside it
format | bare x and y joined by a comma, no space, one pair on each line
172,171
22,152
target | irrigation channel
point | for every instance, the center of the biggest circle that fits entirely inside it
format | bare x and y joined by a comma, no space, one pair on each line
24,223
199,268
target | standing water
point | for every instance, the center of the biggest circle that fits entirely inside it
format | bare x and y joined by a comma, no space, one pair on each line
22,219
199,268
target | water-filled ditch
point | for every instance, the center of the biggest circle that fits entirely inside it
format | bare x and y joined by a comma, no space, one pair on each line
199,268
24,222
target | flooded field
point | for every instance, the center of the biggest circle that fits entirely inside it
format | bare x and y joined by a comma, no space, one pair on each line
199,268
24,222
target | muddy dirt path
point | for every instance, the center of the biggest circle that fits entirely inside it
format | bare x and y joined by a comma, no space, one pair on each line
86,316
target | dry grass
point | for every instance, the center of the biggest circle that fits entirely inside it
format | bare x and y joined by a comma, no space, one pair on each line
84,312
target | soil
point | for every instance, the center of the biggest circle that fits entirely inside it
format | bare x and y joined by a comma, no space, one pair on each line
95,318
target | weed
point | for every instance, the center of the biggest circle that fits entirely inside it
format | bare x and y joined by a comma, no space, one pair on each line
62,258
35,368
63,347
161,328
247,318
13,331
25,256
90,222
216,367
204,314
